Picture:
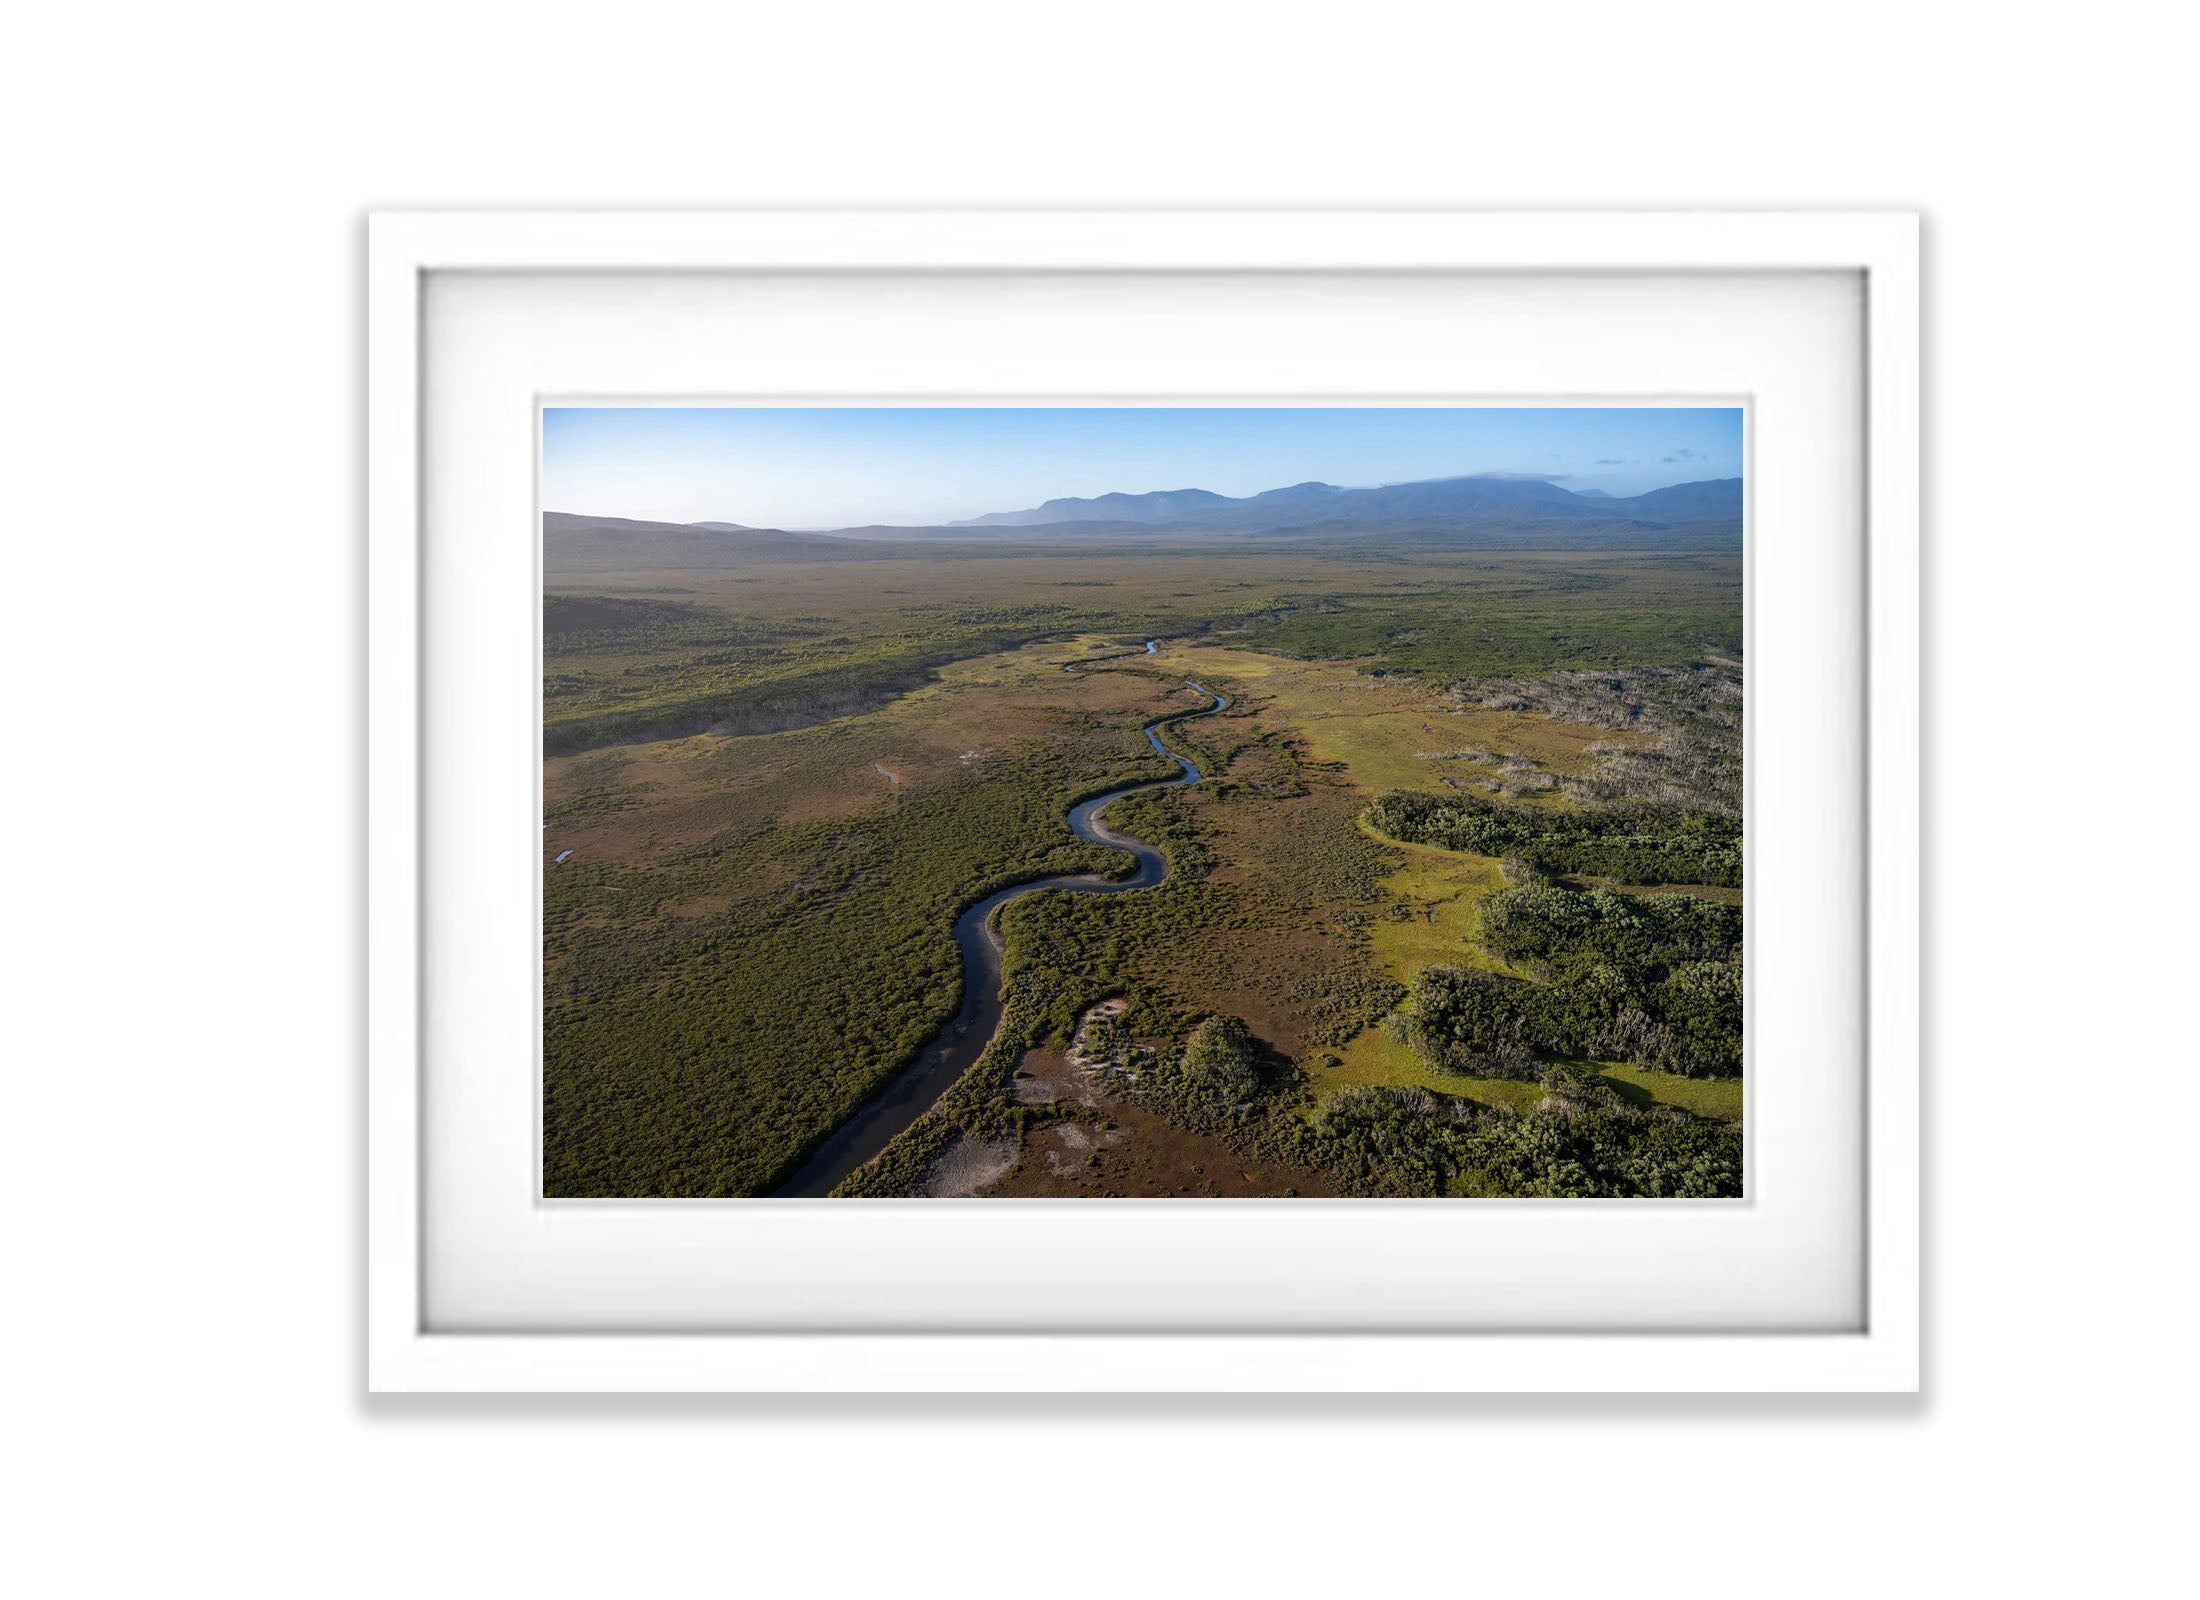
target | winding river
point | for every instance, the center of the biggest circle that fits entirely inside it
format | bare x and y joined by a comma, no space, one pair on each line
952,1051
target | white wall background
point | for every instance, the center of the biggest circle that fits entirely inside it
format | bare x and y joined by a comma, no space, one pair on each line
181,508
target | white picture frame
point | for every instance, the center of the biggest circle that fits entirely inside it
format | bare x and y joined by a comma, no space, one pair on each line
406,1353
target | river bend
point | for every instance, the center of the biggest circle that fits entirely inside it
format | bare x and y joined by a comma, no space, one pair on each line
956,1047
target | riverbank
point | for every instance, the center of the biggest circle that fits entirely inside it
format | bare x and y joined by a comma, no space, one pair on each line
958,1045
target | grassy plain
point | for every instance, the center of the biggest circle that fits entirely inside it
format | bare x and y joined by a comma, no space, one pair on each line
780,784
633,654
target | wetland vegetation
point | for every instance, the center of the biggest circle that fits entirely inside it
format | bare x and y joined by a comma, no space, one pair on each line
1403,946
1454,907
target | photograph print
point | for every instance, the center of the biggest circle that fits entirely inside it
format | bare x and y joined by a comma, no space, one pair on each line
1185,802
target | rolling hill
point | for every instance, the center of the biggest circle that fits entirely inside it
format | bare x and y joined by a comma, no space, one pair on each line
574,544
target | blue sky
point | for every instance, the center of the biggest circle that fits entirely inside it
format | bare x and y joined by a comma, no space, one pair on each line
788,467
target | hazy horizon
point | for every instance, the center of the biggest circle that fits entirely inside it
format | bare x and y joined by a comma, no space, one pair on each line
834,467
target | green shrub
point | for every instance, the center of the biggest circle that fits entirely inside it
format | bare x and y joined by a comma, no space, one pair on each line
1579,1141
1652,979
1628,844
1222,1061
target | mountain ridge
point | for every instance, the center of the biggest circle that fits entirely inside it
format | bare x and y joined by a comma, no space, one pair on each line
1485,512
1476,495
1156,504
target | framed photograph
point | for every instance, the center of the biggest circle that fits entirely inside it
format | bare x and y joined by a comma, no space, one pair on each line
1143,801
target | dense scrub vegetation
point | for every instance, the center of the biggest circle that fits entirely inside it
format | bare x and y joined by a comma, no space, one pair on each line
1064,953
715,1005
774,690
1580,1141
1564,929
898,1172
1628,844
702,1054
1656,980
1649,979
980,1105
1222,1062
1224,1081
1519,615
604,625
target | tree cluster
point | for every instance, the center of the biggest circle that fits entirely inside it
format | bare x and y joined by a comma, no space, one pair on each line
1655,980
1627,844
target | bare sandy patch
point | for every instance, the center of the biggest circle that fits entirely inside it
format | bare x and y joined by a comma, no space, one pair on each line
1076,1075
966,1166
1068,1146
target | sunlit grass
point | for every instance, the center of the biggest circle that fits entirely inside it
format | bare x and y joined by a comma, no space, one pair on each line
1720,1098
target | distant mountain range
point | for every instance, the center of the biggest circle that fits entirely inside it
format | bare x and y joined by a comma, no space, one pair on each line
1482,497
1491,511
1162,505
